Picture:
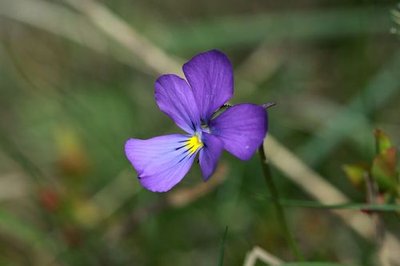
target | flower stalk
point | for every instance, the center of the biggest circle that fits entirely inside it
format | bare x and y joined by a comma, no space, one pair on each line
278,207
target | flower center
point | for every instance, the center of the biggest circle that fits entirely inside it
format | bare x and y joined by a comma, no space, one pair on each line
194,143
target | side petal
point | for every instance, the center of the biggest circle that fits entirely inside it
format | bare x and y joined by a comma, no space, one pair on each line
210,75
160,162
241,128
209,155
175,98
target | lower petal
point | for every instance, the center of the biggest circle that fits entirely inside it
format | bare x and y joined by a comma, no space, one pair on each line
160,162
241,128
210,154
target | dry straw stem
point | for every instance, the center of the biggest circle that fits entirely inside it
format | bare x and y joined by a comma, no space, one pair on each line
178,198
117,29
55,19
258,253
13,186
68,24
121,188
184,196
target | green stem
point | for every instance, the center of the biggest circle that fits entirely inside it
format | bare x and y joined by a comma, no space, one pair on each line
222,248
279,209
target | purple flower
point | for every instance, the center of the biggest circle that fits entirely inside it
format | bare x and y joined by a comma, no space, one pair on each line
162,162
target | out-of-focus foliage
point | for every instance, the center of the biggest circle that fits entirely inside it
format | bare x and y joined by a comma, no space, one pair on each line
384,165
71,95
382,170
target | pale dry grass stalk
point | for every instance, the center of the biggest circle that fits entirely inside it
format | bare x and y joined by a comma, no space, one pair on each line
55,19
184,196
151,56
13,186
258,253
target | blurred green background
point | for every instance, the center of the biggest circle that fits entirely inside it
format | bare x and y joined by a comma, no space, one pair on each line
74,86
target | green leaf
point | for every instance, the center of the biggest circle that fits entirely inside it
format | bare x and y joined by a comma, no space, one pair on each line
384,170
382,141
355,173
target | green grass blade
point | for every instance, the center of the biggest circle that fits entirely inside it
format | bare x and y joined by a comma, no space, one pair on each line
348,205
222,248
351,206
312,264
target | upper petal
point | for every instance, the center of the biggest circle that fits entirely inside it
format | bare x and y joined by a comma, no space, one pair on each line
210,75
160,162
175,98
242,129
209,154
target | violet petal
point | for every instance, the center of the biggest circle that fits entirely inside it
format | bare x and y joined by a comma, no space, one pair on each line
175,98
209,154
242,129
210,75
160,162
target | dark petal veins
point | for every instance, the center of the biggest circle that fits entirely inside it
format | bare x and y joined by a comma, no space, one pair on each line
158,162
210,75
175,98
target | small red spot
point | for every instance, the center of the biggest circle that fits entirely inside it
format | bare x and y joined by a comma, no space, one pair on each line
49,199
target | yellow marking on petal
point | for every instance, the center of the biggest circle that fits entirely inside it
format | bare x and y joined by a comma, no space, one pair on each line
193,144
